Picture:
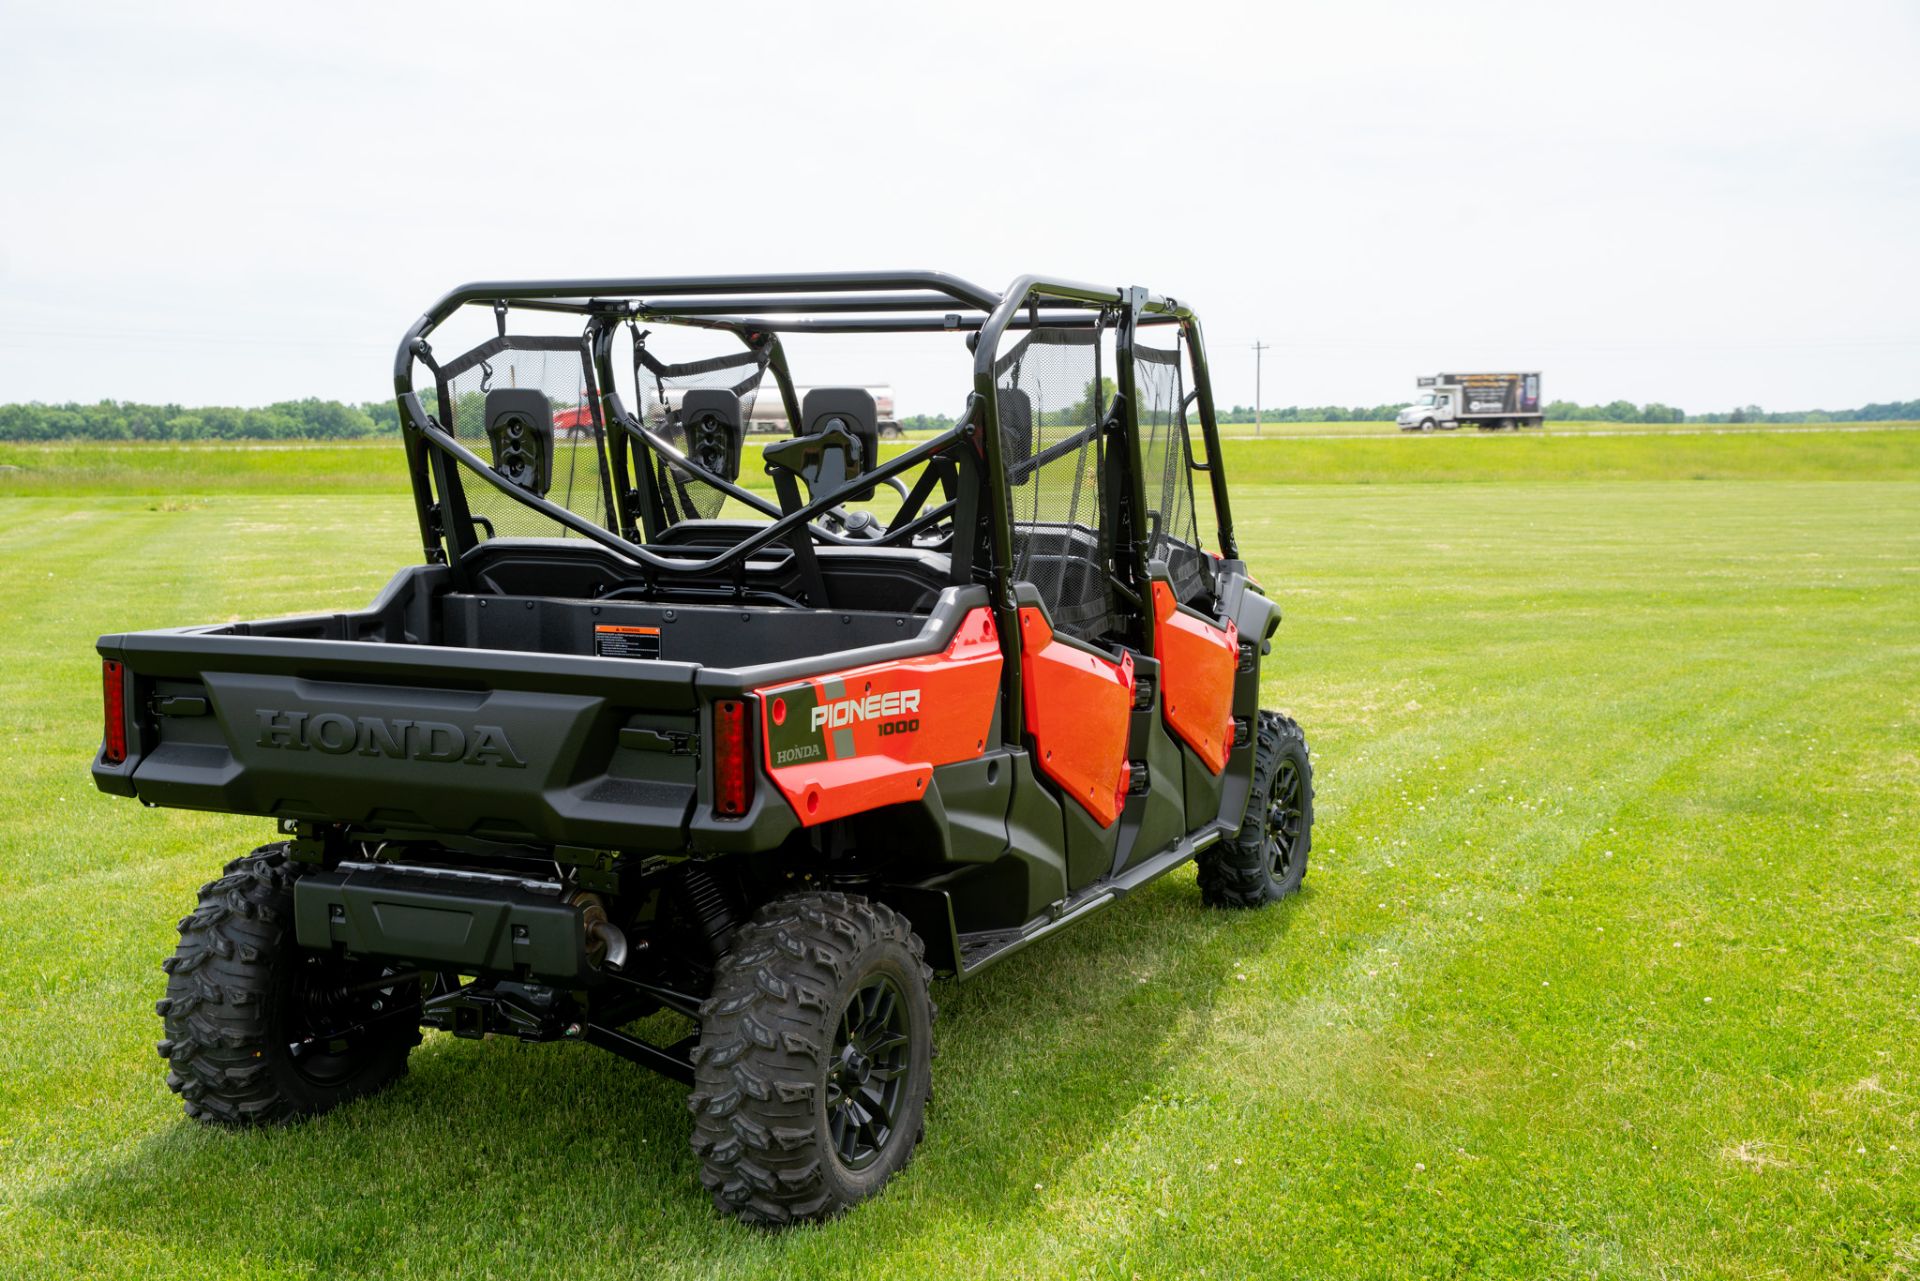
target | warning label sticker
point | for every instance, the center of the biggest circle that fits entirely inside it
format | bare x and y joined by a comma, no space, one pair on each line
610,641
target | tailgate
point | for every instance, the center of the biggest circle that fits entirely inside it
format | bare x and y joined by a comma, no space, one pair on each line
410,738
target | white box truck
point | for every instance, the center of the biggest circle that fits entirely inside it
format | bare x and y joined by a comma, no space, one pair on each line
1486,401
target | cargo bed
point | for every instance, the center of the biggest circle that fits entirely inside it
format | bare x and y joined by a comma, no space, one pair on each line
517,718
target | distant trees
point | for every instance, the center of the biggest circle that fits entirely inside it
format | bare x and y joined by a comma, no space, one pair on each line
309,419
315,419
1884,412
1619,411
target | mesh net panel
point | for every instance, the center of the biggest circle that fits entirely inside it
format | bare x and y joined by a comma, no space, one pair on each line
1164,471
662,388
558,368
1050,410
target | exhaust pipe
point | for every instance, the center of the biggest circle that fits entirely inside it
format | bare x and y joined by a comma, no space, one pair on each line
606,942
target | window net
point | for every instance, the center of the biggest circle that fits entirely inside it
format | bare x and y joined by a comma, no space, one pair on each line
1048,389
557,367
1166,470
683,495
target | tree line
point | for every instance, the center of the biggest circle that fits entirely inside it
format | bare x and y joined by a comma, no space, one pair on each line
309,419
315,419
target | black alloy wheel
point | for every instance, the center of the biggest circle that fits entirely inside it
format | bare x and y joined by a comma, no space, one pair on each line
865,1075
1286,819
1267,860
814,1067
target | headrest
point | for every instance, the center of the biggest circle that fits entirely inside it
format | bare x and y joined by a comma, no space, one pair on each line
852,410
711,417
520,429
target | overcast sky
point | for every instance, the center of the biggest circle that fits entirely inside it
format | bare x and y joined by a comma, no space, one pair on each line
1702,204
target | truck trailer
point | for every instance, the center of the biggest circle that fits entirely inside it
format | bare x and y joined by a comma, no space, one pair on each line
1487,401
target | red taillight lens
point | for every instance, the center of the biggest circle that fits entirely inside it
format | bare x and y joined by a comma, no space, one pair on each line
732,759
113,681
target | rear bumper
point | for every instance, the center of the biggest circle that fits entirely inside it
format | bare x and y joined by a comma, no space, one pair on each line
462,922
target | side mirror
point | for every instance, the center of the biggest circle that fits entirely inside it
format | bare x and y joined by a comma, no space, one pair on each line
520,429
715,433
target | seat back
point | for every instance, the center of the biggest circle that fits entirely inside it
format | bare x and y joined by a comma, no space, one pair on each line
851,409
715,430
520,430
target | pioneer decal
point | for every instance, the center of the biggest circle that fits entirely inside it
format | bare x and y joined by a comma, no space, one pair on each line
853,740
337,735
874,707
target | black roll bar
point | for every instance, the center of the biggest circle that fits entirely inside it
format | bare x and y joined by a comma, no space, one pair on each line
641,555
752,308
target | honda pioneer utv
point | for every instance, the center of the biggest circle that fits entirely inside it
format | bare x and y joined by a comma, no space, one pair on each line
639,740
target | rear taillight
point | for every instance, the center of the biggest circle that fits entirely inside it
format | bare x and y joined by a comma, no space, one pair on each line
732,759
113,682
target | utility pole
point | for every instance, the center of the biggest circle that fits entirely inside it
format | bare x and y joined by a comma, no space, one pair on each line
1258,348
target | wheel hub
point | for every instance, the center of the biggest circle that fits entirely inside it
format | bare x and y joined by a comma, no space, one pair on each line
865,1079
1283,819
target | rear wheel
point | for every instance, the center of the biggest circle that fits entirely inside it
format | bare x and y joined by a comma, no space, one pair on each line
1267,860
260,1031
814,1064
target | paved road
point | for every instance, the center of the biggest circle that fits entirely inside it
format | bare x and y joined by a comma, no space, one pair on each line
1476,434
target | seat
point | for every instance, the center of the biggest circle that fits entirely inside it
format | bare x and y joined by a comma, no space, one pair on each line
711,419
855,412
852,410
520,431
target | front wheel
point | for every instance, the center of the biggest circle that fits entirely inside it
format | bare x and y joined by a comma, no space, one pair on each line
1267,860
259,1030
814,1064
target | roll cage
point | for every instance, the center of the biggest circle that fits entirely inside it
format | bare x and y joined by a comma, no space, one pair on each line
969,464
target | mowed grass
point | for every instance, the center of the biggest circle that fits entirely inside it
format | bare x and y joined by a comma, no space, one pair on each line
379,467
1608,962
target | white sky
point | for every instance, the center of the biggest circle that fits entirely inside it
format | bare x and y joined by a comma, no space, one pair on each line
1703,204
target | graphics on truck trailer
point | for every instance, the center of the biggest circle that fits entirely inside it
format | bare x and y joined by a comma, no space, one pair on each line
635,737
1488,401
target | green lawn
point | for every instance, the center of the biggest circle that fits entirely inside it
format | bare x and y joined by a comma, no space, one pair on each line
378,467
1608,962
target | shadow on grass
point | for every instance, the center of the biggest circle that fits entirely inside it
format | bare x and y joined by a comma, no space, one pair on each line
498,1155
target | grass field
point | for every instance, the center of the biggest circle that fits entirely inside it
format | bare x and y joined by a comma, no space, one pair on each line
1608,962
377,467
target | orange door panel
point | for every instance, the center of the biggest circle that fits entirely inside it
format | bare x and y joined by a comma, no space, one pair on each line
1077,709
851,741
1197,662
